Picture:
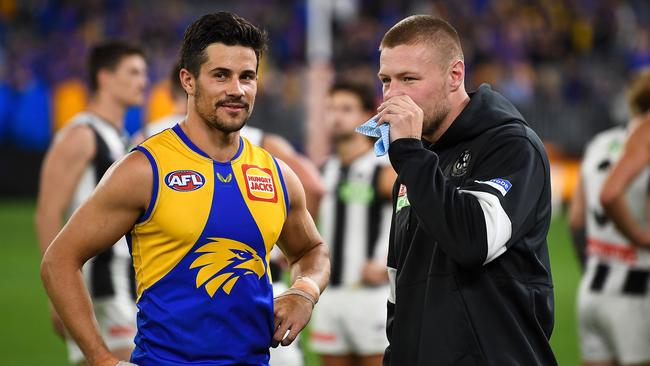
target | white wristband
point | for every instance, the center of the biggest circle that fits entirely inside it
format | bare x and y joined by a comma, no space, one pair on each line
309,281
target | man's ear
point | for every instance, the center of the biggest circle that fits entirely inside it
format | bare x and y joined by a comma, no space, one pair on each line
102,77
188,81
456,74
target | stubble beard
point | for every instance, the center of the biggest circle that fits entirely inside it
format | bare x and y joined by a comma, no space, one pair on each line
432,124
210,117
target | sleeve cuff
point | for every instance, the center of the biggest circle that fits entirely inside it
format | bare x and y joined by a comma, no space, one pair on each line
400,150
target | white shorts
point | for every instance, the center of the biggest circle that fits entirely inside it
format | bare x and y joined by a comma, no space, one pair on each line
613,326
116,318
115,314
350,321
290,355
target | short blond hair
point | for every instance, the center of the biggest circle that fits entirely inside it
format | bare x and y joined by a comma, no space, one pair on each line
425,29
638,93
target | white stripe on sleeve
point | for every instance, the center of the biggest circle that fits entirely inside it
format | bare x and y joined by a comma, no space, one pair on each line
497,223
392,274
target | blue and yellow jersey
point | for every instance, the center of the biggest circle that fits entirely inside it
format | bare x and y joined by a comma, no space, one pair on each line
201,254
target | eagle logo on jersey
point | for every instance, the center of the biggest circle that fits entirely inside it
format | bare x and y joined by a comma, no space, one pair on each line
223,262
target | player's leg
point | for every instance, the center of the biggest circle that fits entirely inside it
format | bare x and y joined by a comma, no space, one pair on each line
595,347
342,360
599,363
631,328
365,322
372,360
327,336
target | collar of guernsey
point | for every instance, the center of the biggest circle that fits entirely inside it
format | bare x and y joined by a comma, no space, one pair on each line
201,252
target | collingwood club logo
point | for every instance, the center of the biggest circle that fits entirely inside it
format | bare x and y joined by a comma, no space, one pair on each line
461,165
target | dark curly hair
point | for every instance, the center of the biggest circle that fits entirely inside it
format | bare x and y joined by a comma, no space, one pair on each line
107,56
221,27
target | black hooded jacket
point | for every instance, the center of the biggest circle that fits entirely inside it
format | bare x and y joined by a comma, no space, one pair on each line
468,259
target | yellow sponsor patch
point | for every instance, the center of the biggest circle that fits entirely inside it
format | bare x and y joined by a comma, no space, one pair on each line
260,184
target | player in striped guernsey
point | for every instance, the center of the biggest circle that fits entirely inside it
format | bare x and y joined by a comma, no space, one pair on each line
614,295
348,327
79,156
203,207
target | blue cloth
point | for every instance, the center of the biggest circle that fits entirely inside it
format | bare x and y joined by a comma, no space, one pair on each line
369,128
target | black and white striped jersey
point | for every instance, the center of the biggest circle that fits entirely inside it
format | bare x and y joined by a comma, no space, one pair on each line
603,239
354,219
111,272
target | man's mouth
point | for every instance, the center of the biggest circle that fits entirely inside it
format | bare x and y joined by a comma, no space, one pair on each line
233,107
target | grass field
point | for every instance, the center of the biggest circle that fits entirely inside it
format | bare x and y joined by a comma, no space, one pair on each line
26,337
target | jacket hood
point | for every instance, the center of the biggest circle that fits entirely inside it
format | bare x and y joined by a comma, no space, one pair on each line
486,109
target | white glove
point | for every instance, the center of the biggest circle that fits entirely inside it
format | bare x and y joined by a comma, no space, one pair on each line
124,363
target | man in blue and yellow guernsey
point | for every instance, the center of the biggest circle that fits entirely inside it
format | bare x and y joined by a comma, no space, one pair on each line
202,209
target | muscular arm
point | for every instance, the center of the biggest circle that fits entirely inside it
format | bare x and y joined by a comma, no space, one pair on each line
308,257
577,222
636,157
303,167
300,241
61,171
110,212
62,168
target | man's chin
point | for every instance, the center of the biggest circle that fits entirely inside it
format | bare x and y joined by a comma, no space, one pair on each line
229,127
343,136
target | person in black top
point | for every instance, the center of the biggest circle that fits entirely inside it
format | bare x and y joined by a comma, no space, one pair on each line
468,259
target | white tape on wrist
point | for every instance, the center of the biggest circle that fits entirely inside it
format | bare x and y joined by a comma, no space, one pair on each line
309,281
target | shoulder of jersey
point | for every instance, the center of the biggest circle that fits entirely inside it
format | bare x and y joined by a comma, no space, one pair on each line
606,136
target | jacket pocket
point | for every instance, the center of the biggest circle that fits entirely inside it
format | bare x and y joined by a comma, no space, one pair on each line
447,334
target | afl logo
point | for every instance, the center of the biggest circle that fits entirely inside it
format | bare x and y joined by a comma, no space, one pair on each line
184,180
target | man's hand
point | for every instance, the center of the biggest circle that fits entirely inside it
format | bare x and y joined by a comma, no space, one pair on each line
404,116
107,360
292,313
374,274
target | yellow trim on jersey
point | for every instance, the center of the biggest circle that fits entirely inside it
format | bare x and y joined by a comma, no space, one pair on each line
177,219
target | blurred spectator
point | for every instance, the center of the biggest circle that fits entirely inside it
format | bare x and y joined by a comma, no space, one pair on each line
588,48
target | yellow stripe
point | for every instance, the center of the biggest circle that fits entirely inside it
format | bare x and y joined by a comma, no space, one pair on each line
178,218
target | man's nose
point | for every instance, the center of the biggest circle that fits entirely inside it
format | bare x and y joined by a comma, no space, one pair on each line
235,87
392,90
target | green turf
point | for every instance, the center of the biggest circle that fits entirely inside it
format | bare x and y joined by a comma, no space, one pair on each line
26,337
566,275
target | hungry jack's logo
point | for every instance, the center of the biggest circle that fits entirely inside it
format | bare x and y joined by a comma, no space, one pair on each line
223,262
260,184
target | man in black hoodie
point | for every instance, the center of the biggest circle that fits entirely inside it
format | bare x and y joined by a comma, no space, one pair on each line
468,259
